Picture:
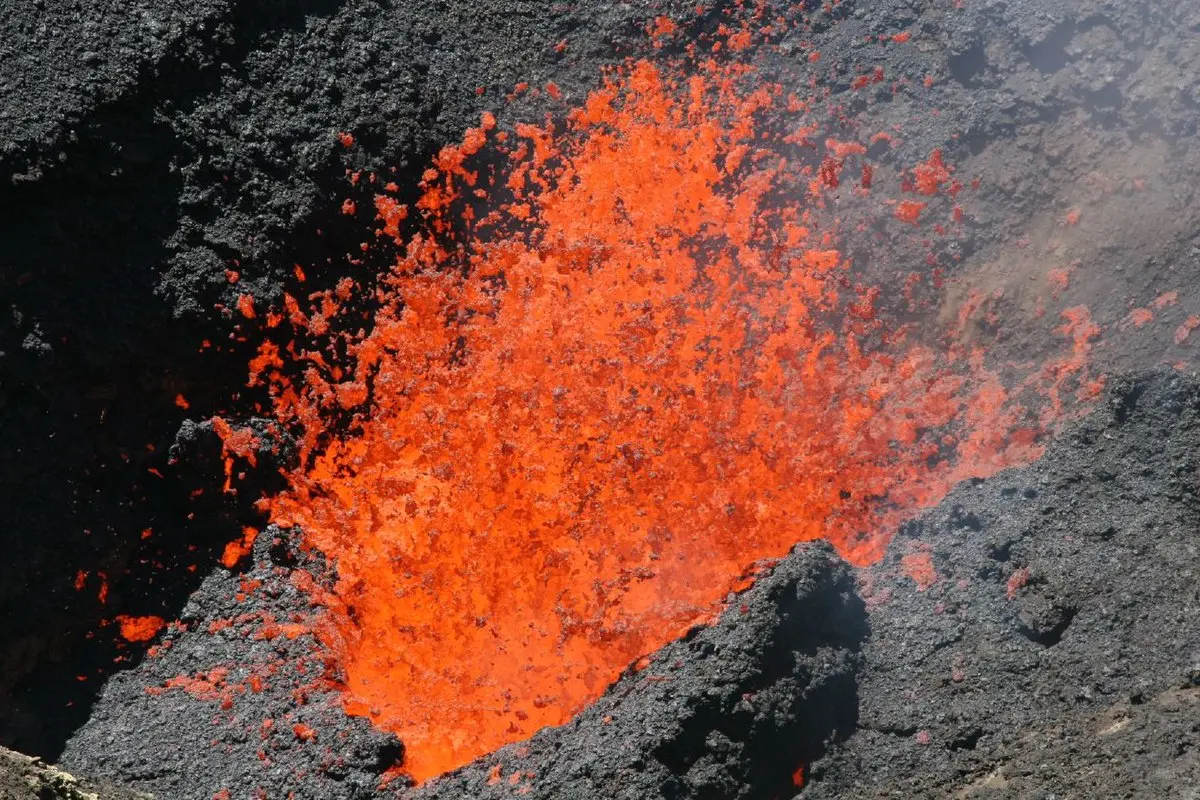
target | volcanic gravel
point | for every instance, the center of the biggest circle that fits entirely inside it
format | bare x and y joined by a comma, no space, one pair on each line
27,778
148,147
253,713
1058,653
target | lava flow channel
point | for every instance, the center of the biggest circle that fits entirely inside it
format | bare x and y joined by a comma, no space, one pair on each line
616,365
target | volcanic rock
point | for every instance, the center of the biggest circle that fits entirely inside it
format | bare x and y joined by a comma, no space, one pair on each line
24,777
145,149
234,699
1077,678
1055,651
734,710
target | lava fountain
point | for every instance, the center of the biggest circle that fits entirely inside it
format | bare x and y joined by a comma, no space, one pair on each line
619,363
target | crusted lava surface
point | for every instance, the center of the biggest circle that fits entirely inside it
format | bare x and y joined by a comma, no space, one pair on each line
1033,635
1058,650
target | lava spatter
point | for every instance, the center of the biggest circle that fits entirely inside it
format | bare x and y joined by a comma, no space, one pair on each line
619,362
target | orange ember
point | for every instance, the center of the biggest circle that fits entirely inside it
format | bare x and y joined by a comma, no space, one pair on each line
1140,316
139,629
236,550
616,367
1186,327
919,567
909,211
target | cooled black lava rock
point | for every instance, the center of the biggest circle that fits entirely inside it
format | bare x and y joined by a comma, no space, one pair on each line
1055,655
730,711
235,699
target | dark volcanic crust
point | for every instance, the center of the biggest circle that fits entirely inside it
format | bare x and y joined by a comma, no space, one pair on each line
1058,654
264,721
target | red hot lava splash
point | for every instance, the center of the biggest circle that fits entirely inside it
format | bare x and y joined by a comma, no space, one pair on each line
615,366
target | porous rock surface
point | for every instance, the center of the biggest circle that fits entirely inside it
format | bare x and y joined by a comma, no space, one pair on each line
233,702
1058,653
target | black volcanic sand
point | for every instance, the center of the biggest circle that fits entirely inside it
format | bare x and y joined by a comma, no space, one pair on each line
146,148
1080,676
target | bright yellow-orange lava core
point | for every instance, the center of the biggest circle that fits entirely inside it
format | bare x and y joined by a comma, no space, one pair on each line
617,367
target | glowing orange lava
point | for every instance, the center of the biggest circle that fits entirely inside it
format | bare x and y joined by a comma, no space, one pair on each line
616,366
139,629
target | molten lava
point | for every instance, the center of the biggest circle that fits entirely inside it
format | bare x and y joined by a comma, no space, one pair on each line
616,365
139,629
